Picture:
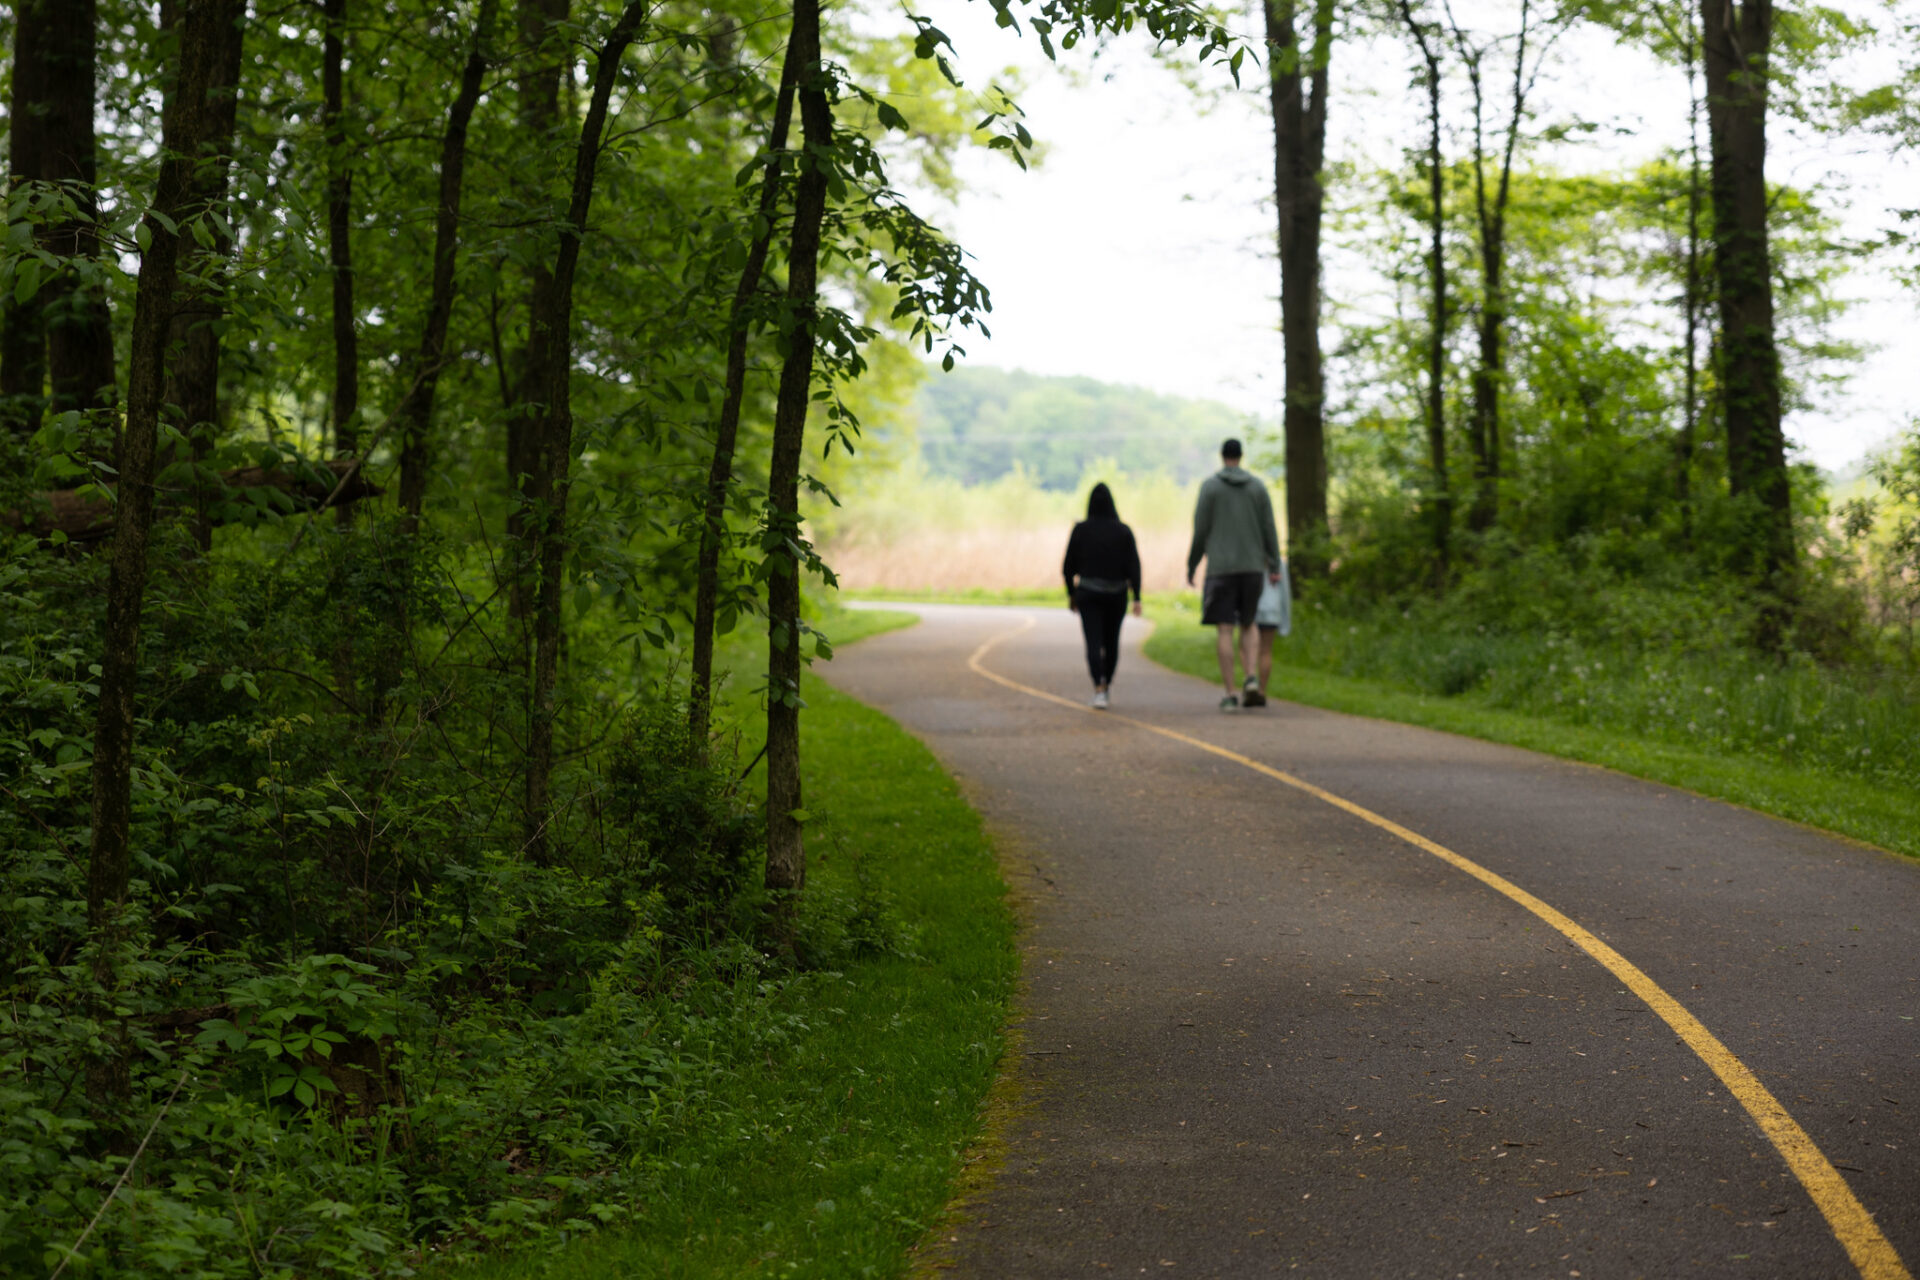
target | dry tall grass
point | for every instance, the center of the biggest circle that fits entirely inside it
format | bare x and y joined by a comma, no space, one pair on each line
914,532
990,558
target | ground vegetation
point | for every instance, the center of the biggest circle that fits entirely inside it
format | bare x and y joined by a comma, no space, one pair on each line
383,390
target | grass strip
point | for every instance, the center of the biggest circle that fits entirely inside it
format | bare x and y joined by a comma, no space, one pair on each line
833,1157
842,626
1848,806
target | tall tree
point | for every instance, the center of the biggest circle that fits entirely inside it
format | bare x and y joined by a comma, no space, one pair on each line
1735,40
727,428
1690,292
415,413
1678,32
346,339
786,847
1490,218
79,329
193,361
542,31
202,29
552,334
1440,493
1298,87
23,331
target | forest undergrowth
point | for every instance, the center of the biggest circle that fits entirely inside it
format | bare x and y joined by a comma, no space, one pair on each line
362,1032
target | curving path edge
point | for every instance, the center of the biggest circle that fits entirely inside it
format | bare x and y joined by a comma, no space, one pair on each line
1060,781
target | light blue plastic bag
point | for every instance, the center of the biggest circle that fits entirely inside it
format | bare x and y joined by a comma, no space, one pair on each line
1276,604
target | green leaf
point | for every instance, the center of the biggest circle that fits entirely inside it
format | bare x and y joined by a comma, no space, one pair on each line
222,1033
26,279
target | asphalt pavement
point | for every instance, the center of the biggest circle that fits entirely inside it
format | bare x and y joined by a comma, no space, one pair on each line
1261,1034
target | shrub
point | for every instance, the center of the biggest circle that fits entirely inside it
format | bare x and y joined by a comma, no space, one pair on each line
680,827
357,1019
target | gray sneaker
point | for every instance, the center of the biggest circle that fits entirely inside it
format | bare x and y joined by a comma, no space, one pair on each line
1100,700
1229,703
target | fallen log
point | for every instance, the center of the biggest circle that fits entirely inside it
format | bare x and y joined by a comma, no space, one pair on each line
86,515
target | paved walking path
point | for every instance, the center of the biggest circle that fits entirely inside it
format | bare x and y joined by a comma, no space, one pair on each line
1264,1034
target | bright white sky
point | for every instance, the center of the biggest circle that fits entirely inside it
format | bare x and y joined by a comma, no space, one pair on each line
1140,250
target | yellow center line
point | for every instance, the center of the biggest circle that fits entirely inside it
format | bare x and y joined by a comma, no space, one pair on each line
1852,1225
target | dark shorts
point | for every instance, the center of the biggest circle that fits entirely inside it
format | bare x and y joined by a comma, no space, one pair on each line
1230,599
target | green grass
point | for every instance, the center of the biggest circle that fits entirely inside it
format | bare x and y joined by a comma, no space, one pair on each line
844,626
1835,799
833,1157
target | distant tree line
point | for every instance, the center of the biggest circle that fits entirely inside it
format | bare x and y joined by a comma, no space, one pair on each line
977,423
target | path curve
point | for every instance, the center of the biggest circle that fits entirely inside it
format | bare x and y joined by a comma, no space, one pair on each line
1271,1026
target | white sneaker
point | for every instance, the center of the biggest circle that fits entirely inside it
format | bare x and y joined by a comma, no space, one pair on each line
1100,700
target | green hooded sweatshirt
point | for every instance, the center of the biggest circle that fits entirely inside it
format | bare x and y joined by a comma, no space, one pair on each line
1233,526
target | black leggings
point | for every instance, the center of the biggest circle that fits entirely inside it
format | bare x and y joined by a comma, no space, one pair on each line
1100,616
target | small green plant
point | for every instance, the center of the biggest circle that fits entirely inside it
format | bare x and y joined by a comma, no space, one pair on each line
677,824
288,1023
840,923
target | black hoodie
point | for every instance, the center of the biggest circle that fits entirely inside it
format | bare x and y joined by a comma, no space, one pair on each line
1101,547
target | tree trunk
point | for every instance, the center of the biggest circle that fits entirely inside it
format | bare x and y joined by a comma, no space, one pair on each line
1299,93
786,847
23,331
1735,44
193,364
415,414
726,434
79,328
1440,499
346,337
541,23
1489,373
205,27
553,329
1690,414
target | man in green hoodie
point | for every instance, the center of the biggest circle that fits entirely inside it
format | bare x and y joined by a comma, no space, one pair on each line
1233,528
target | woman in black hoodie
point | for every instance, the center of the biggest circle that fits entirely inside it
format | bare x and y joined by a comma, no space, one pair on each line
1102,566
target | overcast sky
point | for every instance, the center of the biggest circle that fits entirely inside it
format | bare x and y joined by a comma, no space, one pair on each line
1140,250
